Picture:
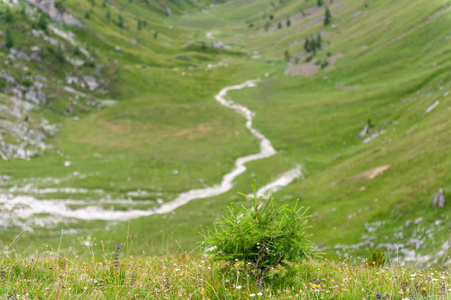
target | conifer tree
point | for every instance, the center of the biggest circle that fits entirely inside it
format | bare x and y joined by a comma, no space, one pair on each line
313,47
9,39
42,23
279,26
9,16
327,17
307,45
319,41
288,22
287,55
319,2
60,54
77,51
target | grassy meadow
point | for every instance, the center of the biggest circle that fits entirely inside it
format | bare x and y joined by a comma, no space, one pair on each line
166,135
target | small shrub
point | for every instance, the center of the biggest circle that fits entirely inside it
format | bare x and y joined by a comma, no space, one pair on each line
377,259
260,237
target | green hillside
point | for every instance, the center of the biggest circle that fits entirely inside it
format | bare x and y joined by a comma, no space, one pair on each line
383,65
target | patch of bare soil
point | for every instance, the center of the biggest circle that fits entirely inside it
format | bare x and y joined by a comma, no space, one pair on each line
370,174
310,67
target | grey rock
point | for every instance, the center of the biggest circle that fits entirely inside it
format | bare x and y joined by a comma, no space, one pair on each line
220,45
62,17
439,199
419,220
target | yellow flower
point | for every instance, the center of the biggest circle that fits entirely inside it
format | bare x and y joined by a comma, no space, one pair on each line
313,286
46,261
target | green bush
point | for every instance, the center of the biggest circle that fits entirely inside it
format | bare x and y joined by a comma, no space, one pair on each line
260,237
377,258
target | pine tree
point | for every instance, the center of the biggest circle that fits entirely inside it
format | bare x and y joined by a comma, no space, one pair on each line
313,45
319,41
77,51
42,23
60,54
9,39
287,55
327,17
279,26
288,22
9,16
121,21
319,2
307,45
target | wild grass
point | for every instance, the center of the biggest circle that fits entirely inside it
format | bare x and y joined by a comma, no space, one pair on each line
115,274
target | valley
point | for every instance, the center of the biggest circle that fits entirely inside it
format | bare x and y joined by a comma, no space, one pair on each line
152,126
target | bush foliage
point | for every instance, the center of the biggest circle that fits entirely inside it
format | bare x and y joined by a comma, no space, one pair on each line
260,237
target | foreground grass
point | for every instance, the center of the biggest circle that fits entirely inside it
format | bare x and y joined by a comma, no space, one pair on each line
116,275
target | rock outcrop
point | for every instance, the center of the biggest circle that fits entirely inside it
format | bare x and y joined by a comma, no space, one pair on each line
61,16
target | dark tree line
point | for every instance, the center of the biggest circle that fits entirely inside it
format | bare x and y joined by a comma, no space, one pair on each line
313,44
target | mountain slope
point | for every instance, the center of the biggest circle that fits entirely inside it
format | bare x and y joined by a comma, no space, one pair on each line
370,130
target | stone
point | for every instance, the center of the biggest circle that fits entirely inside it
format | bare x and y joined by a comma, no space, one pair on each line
419,220
408,223
439,199
61,16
